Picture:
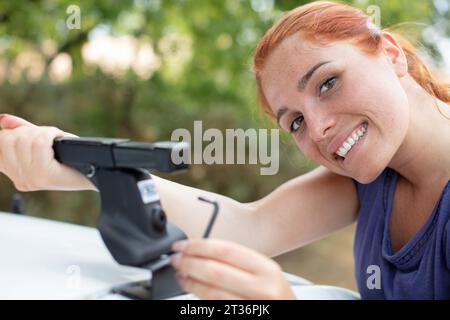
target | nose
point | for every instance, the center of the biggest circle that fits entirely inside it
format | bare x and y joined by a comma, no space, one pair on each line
319,127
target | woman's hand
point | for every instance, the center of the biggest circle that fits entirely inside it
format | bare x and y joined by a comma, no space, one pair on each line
219,269
27,157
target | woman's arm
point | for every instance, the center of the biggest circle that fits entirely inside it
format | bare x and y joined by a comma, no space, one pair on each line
306,209
296,213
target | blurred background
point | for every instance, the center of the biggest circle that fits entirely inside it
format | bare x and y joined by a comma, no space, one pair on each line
140,69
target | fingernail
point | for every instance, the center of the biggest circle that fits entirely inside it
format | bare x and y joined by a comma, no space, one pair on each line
70,135
179,245
175,260
1,118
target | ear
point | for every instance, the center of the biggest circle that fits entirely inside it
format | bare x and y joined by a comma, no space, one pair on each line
395,54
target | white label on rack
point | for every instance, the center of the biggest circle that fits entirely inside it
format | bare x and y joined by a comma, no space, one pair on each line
148,191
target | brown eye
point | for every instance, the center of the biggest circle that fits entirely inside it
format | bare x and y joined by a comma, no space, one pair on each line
295,125
328,84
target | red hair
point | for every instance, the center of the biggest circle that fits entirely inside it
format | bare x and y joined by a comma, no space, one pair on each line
325,22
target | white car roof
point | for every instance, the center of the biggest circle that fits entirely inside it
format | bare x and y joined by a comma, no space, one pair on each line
44,259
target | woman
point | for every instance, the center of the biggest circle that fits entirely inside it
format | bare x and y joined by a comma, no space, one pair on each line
358,101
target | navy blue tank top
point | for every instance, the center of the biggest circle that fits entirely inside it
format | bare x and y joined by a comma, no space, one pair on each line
421,268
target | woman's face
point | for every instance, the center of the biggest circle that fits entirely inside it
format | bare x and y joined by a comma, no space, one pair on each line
322,93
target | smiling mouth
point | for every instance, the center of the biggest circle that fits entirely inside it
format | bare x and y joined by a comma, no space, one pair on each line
350,142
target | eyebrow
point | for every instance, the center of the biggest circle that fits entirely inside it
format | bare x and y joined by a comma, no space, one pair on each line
301,85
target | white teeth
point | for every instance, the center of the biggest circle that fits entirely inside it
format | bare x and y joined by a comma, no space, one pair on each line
341,152
351,140
347,146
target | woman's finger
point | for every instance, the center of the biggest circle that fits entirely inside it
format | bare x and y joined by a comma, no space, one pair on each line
8,121
218,274
37,168
205,291
7,157
42,148
70,135
23,147
228,252
58,172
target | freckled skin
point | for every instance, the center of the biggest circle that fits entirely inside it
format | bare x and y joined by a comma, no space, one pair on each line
368,88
